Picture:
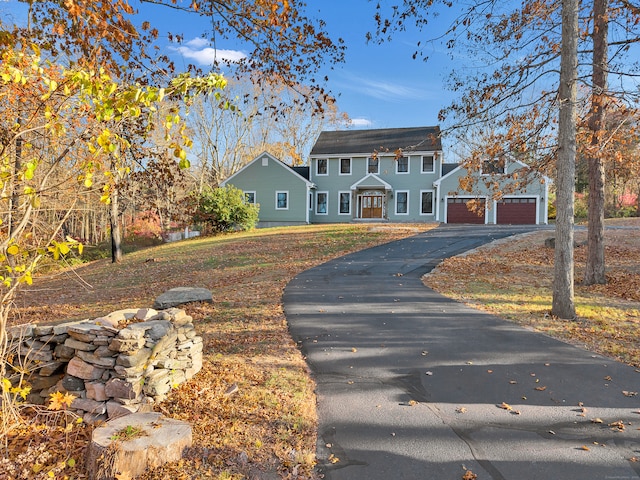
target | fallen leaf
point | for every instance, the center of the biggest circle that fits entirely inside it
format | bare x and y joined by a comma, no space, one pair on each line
231,390
354,349
412,403
461,410
619,425
469,475
596,420
608,378
333,458
585,448
629,394
424,353
513,382
540,389
505,406
489,371
428,373
633,459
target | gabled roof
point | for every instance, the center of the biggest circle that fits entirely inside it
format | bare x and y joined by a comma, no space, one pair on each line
371,181
292,170
420,139
448,171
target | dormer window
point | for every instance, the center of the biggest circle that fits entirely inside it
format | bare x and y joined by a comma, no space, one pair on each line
493,166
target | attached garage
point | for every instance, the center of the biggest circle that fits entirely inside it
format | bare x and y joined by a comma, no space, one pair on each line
517,211
458,211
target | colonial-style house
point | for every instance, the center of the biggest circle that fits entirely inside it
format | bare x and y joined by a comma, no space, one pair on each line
394,175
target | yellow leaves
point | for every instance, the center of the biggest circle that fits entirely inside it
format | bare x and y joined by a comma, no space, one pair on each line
18,392
469,475
13,250
60,401
505,406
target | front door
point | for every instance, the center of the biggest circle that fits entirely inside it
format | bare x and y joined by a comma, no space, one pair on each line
371,206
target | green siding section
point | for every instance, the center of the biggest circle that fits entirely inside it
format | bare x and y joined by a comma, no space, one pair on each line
334,182
450,185
266,181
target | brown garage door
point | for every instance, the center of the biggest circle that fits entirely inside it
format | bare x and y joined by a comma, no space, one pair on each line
458,212
517,211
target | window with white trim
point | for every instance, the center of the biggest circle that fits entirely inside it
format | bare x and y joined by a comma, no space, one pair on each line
250,197
428,164
493,166
402,202
373,165
345,166
322,166
322,199
402,165
282,200
344,202
426,202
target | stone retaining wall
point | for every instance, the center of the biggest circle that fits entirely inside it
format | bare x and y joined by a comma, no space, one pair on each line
114,365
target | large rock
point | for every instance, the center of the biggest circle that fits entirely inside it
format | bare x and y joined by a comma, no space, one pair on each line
180,295
113,455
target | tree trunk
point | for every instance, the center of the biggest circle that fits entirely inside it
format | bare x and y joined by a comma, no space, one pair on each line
563,295
595,267
116,236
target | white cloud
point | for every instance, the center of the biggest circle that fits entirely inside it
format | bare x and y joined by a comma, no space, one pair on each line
360,122
199,51
384,90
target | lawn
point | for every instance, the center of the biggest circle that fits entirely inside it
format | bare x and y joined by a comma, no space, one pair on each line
267,427
512,279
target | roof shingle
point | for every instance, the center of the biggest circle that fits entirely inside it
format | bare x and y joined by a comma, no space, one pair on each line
377,140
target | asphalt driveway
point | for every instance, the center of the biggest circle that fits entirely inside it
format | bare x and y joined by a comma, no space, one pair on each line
412,385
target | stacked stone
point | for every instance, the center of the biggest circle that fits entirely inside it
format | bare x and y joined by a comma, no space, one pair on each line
113,365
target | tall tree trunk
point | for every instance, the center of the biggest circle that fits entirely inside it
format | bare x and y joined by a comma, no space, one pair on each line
595,267
116,235
563,294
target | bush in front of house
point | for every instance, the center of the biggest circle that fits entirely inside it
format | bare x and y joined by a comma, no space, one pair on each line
223,209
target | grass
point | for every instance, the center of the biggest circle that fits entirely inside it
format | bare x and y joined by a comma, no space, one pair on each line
513,280
267,428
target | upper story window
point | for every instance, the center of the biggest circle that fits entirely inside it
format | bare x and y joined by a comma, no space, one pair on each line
250,197
402,165
373,165
493,166
428,164
322,166
345,166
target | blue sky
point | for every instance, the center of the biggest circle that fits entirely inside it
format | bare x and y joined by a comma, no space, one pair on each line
379,86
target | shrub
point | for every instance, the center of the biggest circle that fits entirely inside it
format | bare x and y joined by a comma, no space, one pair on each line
225,208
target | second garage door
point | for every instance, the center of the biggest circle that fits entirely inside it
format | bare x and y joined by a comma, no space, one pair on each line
457,211
516,211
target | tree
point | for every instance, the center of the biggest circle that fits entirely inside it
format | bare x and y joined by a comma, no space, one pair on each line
514,87
223,209
226,140
563,304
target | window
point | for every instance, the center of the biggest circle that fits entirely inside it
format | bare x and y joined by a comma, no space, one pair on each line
345,166
373,165
321,203
250,197
428,164
282,200
426,202
310,201
493,166
345,203
402,165
322,167
402,203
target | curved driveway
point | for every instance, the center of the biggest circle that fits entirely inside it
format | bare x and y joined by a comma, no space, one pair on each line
410,383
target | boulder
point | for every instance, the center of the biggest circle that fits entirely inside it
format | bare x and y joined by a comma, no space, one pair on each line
181,295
